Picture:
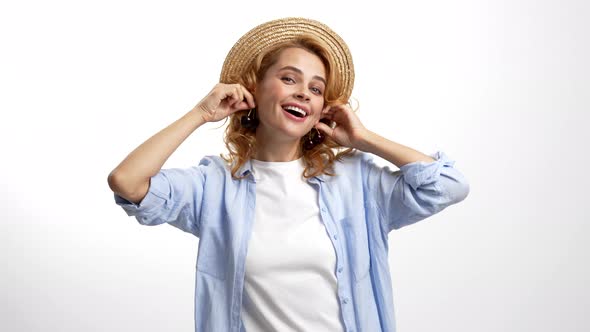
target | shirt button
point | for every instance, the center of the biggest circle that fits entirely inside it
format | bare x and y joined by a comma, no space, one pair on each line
340,269
323,209
345,301
335,237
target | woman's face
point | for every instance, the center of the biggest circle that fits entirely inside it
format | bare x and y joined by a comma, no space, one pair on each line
290,97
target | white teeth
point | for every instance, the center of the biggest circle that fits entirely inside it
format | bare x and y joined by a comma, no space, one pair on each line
296,109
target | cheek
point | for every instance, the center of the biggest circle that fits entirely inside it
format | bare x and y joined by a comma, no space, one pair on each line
319,106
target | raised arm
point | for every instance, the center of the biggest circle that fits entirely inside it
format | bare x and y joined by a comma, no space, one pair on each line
425,185
131,178
350,132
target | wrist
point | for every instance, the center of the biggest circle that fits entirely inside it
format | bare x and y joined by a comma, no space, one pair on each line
365,140
197,116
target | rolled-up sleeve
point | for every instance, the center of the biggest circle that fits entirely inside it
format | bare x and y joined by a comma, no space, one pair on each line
416,191
174,197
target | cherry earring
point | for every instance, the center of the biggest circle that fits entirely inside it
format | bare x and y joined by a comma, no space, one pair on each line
249,121
313,139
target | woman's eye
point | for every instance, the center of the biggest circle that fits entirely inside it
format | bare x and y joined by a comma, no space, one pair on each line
291,80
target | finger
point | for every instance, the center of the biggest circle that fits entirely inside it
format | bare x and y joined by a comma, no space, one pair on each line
333,112
239,92
336,115
338,108
240,106
249,97
226,94
331,123
235,97
341,113
325,128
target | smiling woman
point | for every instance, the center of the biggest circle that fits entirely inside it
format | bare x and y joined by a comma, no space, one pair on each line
303,65
293,223
289,84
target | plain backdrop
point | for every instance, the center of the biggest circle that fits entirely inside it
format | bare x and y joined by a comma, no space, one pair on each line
502,87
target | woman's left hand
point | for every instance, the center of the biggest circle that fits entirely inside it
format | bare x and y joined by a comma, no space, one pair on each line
349,130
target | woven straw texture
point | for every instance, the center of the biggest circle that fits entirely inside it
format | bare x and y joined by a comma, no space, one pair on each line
281,30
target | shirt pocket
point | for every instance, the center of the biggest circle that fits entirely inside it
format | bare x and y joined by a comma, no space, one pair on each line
357,246
212,258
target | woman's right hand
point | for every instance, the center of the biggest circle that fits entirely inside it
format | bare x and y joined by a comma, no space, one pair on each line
224,100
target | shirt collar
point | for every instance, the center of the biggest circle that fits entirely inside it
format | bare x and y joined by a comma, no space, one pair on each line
246,169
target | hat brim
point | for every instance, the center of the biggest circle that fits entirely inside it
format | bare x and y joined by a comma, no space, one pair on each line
282,30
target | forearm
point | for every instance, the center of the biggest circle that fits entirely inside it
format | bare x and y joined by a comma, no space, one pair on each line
393,152
147,159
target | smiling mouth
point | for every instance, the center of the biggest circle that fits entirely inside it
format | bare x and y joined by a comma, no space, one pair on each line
296,111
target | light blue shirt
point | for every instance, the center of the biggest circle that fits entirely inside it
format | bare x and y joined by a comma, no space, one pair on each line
359,207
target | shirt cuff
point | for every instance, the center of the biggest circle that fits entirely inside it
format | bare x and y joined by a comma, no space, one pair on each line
420,173
151,200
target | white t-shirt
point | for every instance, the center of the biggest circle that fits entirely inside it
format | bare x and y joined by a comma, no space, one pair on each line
290,282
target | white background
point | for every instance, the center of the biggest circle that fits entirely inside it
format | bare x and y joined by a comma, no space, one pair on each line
502,87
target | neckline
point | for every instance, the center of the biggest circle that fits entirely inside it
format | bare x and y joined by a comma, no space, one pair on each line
277,164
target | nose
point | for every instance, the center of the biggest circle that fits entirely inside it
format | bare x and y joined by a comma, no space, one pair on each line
301,95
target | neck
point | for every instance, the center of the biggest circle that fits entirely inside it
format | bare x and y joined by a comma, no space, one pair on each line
275,150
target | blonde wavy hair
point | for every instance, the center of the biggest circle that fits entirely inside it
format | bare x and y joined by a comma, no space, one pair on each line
241,142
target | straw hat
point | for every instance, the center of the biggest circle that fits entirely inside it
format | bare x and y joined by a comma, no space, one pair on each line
285,29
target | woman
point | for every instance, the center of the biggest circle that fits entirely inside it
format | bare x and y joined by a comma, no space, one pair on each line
293,222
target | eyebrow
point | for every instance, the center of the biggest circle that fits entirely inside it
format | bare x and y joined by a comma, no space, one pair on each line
297,70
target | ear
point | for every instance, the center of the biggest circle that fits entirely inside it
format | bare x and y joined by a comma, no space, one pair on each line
252,90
